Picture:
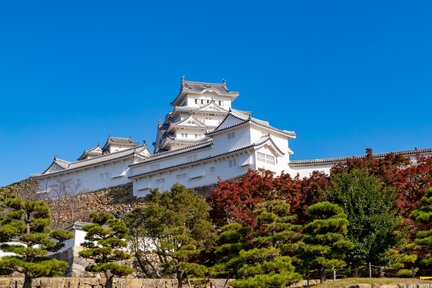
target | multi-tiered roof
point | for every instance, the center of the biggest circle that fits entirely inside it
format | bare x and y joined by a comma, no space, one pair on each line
198,109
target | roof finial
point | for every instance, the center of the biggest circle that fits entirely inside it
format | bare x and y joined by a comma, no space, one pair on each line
224,81
144,142
183,78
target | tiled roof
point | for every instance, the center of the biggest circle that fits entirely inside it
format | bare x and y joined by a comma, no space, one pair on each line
95,151
62,163
119,141
330,161
201,108
201,87
97,160
247,119
258,143
172,153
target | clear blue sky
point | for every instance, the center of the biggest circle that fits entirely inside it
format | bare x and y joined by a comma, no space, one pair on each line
345,75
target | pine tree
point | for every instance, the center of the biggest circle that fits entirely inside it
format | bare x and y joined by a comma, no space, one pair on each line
24,232
231,240
325,240
264,265
423,214
106,245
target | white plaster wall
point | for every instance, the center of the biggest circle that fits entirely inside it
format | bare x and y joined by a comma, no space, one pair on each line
242,138
148,166
278,167
196,176
280,140
76,241
85,180
307,170
225,101
190,134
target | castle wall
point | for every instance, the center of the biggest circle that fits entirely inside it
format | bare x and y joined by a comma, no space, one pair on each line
194,175
84,180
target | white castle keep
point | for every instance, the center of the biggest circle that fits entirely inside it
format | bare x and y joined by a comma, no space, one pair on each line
202,139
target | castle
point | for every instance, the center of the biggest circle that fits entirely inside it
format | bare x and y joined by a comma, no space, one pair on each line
201,140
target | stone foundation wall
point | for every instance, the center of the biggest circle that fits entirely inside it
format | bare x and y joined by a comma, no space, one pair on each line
8,282
117,200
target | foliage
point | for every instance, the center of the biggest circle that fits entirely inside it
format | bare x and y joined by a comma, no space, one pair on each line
262,264
423,215
106,245
411,180
175,226
232,239
300,193
24,232
372,218
401,262
235,199
325,238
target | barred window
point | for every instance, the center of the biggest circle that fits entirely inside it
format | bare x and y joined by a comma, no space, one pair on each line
265,158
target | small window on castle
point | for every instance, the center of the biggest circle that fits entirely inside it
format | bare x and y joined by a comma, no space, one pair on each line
192,158
196,101
160,181
231,135
265,158
196,135
181,177
232,163
202,101
208,101
104,176
220,103
212,169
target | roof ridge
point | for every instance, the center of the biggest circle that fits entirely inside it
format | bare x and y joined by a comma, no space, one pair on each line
377,155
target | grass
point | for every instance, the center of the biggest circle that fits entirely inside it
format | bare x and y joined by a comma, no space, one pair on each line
342,283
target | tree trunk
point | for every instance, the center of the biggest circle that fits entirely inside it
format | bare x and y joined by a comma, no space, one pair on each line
356,271
322,275
179,279
27,281
109,282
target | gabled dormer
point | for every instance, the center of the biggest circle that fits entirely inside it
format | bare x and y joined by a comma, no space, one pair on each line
57,165
115,144
91,153
190,122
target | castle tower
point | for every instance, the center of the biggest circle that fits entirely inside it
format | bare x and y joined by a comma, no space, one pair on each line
198,108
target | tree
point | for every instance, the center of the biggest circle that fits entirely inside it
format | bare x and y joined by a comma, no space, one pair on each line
371,214
411,179
106,245
401,260
301,193
232,239
264,265
423,215
24,232
175,226
325,238
234,200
